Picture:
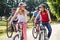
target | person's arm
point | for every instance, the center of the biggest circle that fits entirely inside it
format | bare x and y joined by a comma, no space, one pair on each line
32,17
49,16
37,16
26,17
15,15
9,18
26,12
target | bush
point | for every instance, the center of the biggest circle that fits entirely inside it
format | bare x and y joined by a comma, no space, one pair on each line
55,8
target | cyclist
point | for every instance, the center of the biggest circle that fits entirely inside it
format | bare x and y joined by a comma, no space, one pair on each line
12,14
21,14
45,18
34,15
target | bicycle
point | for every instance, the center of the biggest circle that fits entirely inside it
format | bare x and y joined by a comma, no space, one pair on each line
42,33
10,29
20,35
34,30
34,33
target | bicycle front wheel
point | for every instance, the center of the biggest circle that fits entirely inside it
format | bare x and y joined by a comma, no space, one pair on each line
41,35
9,31
16,37
34,32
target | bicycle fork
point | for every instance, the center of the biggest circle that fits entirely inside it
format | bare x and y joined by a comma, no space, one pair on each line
42,34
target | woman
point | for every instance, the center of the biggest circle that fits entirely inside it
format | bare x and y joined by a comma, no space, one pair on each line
12,14
45,18
21,15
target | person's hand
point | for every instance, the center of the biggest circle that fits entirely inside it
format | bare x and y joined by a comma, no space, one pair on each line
34,21
50,21
7,19
10,22
31,19
27,21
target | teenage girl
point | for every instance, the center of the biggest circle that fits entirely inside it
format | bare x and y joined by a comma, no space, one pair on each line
45,19
21,14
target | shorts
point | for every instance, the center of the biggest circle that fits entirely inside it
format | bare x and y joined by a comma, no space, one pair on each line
14,22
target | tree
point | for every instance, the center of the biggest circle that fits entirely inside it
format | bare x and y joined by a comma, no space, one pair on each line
55,7
31,4
4,9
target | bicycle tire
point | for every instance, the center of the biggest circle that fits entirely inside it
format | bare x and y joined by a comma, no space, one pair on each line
34,28
42,36
11,31
45,33
19,37
16,36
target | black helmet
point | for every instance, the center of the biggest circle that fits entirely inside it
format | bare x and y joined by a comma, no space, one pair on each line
36,8
13,8
42,5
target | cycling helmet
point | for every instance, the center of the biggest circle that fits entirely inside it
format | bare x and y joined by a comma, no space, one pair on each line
13,8
42,5
36,8
22,4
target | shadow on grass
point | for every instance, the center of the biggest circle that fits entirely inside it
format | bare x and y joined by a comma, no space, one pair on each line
2,32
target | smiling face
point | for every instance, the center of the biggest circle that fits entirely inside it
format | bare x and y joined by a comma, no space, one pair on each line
22,10
22,7
42,8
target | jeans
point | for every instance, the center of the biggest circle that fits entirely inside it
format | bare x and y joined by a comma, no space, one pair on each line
48,27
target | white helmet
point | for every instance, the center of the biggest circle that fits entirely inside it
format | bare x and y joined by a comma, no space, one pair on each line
22,4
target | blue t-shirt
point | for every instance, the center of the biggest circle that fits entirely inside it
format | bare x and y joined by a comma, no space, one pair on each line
35,14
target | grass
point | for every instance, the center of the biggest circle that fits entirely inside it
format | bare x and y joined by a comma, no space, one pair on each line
30,25
4,23
3,29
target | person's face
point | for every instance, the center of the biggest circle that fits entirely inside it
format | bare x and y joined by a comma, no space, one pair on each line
22,7
14,11
37,10
42,8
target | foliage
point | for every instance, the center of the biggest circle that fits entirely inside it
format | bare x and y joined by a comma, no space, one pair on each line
55,8
4,9
31,5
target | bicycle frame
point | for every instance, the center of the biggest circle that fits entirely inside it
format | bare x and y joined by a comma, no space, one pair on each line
42,33
20,35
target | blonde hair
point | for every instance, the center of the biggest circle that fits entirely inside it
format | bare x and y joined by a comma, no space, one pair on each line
24,12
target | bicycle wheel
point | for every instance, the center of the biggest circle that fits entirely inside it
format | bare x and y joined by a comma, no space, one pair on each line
45,34
34,33
9,31
41,35
16,37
